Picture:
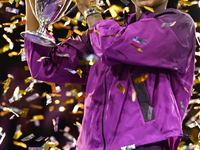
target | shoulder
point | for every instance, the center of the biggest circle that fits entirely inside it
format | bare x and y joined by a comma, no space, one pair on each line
175,15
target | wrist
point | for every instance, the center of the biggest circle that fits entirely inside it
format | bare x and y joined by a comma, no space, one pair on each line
90,12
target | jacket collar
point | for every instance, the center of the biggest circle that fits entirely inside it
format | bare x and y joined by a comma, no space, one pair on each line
130,18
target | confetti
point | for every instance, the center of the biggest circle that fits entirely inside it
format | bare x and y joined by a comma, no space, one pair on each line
27,138
97,32
38,117
117,34
2,136
55,123
69,34
53,139
70,101
139,49
17,135
32,97
15,98
20,144
41,58
73,86
34,148
8,40
36,106
134,95
68,136
62,55
126,2
7,83
12,10
24,112
18,16
186,89
49,99
149,8
121,88
139,40
168,24
39,139
51,108
131,147
4,49
71,70
141,79
11,54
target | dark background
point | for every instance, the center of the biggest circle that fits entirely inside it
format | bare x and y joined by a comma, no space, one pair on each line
14,65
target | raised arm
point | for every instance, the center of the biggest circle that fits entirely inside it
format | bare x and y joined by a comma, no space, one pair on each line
59,64
31,21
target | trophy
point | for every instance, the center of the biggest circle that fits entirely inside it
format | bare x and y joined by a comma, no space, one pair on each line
47,12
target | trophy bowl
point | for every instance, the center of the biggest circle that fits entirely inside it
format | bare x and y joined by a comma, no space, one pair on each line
46,12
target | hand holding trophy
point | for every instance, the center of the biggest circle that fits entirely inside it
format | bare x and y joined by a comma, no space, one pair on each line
46,12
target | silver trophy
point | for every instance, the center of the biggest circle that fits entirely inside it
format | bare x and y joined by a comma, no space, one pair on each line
47,12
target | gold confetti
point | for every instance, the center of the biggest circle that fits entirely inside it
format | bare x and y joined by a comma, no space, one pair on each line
7,82
84,23
69,34
20,144
78,32
70,101
186,89
17,135
51,108
36,106
11,54
85,62
149,9
4,49
26,68
117,34
141,79
38,117
121,88
79,72
24,112
114,10
139,49
18,16
97,32
11,1
29,79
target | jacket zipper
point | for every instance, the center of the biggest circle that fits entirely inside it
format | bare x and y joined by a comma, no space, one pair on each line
104,141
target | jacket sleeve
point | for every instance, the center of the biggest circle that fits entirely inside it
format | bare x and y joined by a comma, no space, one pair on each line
55,67
148,42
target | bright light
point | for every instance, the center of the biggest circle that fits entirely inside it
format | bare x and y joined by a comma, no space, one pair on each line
61,108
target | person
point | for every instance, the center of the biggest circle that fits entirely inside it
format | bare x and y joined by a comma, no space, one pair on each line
139,89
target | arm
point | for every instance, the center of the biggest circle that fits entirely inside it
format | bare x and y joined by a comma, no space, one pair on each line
164,47
31,21
54,68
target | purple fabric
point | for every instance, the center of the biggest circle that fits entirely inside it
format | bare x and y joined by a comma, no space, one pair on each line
167,59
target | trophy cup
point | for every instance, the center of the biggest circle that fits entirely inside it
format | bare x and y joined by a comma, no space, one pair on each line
46,12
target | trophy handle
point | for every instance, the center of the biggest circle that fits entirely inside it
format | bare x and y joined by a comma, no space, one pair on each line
70,11
62,11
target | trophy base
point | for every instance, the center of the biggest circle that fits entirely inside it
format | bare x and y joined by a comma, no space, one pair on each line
38,38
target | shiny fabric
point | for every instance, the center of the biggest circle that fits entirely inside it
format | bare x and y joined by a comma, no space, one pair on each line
167,58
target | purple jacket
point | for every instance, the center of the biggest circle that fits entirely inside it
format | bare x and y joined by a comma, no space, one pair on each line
160,46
